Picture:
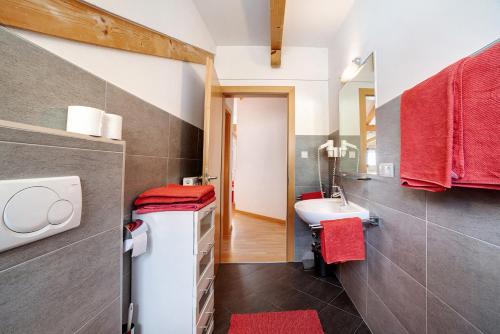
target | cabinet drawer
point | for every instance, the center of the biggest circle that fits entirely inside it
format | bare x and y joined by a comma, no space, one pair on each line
204,222
202,244
206,323
204,289
204,259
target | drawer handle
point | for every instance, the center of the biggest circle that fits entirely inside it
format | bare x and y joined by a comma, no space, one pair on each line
209,286
210,246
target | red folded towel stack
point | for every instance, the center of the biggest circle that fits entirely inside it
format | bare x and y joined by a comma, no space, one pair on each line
342,240
449,124
174,197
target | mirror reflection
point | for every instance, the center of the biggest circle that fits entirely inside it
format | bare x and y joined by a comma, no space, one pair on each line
357,116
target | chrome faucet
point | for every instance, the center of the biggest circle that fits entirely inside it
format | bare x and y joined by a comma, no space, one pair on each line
343,196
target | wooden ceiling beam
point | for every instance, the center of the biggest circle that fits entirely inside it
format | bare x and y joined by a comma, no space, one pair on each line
79,21
277,21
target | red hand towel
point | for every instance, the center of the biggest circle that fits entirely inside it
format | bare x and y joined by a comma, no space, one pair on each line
342,240
427,133
175,191
313,195
478,94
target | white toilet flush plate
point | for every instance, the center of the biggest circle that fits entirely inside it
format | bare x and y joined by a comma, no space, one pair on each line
33,209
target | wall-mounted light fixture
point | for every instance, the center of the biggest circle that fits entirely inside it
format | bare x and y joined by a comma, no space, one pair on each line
351,70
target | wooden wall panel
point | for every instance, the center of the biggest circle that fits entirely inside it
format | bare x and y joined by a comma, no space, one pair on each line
78,21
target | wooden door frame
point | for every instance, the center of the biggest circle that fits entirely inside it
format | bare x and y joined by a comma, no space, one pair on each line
226,174
289,93
363,93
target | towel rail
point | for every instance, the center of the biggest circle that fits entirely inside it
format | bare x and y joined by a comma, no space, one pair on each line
372,221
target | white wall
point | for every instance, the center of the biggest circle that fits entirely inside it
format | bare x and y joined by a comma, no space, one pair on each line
261,160
174,86
411,39
303,67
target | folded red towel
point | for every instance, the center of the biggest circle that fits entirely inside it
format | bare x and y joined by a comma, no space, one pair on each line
427,118
149,208
342,240
193,193
170,200
312,195
478,91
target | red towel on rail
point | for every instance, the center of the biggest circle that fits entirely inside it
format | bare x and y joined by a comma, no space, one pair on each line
449,125
313,195
342,240
478,91
427,118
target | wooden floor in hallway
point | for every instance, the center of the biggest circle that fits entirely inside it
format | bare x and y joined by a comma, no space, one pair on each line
254,240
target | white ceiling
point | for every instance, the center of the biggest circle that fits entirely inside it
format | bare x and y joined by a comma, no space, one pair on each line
246,22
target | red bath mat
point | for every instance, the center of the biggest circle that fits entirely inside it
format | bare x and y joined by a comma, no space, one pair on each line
291,322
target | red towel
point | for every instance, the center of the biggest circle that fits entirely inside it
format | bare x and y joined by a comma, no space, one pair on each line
427,114
171,200
478,91
313,195
149,208
342,240
174,193
449,124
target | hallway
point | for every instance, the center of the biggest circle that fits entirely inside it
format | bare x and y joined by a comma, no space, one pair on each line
254,240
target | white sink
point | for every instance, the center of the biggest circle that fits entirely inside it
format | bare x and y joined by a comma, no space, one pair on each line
313,211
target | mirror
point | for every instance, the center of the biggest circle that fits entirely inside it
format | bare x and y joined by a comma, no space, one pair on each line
357,116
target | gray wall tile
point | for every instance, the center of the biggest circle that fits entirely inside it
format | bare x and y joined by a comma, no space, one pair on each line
145,127
475,212
380,319
41,85
107,322
306,170
179,168
142,173
183,141
355,285
76,281
126,295
404,296
101,191
441,319
464,273
401,238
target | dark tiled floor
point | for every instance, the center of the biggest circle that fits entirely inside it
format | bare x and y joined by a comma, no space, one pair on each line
250,288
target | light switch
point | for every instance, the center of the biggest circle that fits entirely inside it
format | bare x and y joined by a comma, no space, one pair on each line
386,169
352,154
304,154
33,209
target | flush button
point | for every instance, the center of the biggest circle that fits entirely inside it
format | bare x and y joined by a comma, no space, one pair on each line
27,210
60,212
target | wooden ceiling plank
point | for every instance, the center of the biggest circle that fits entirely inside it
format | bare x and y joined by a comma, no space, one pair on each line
79,21
277,22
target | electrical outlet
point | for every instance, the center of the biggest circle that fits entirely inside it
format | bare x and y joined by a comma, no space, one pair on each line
304,154
386,169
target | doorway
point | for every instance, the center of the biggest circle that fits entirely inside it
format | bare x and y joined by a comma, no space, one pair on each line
255,172
257,203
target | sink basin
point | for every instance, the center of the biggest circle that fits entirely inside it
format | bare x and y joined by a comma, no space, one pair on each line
315,210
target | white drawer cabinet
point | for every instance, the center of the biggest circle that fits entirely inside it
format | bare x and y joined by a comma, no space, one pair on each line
172,283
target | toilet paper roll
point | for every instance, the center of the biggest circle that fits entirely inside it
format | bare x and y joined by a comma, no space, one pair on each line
112,126
85,120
